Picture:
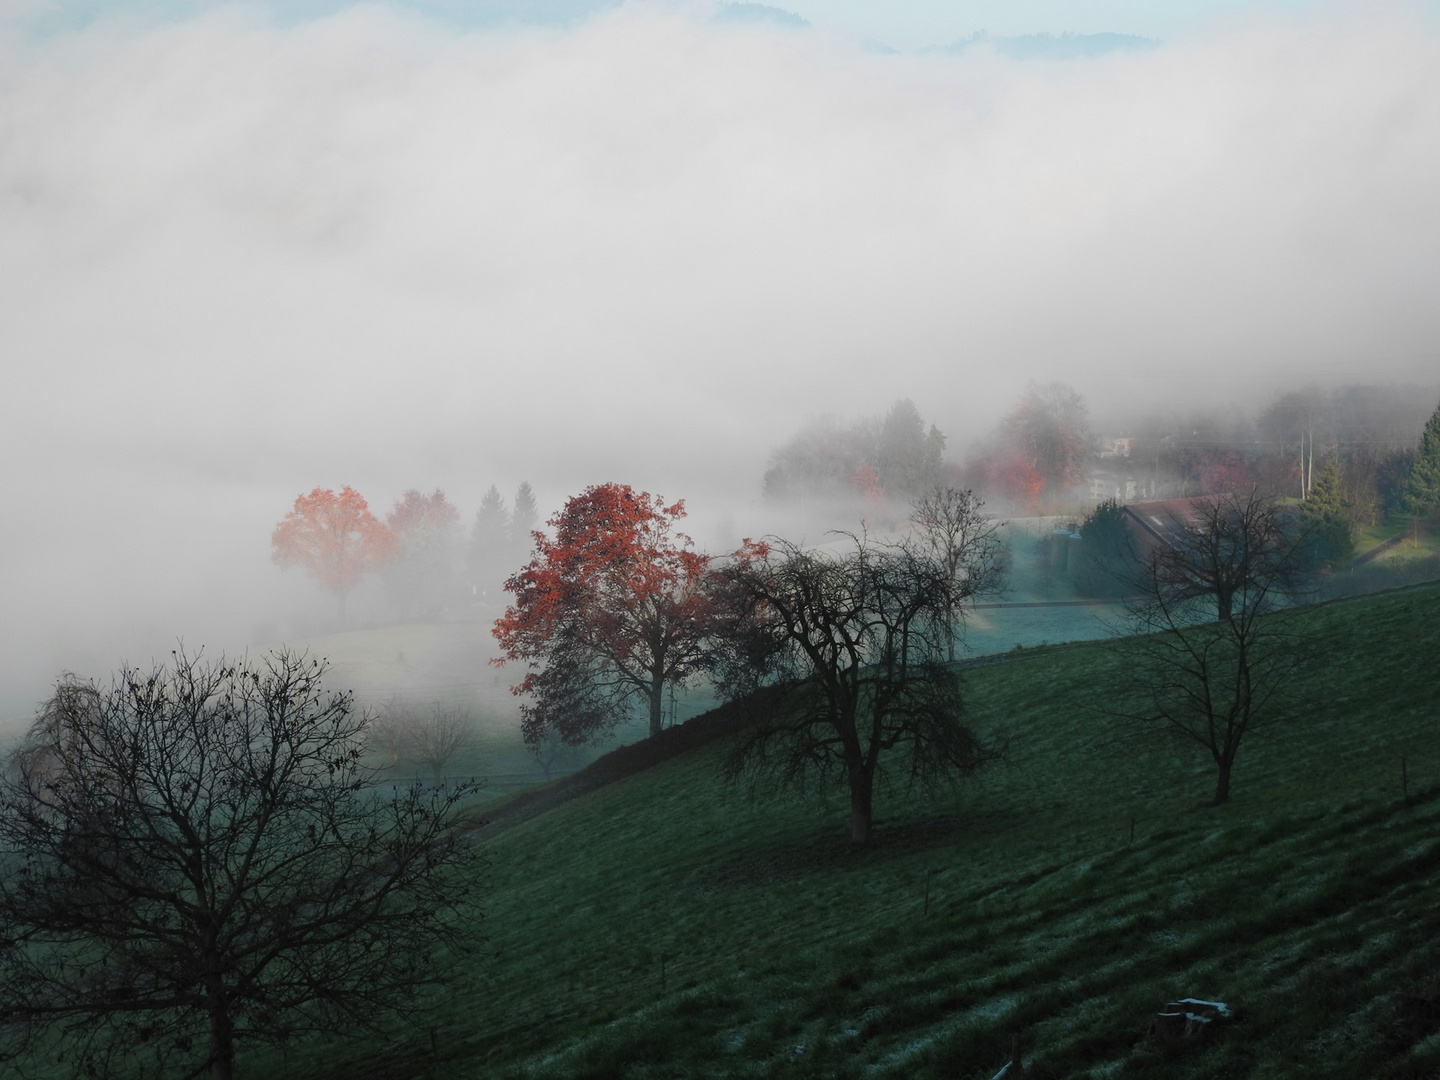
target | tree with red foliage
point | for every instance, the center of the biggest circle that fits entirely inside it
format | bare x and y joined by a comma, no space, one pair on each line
334,537
868,485
1050,430
1223,472
612,610
1016,480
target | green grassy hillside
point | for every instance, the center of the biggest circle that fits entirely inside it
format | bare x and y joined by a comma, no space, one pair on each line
666,925
1307,903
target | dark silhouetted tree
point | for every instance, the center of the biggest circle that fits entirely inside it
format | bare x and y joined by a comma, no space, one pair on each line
610,611
195,860
1392,473
1213,655
842,658
1107,557
951,527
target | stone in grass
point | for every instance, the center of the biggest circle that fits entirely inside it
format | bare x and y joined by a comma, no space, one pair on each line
1188,1018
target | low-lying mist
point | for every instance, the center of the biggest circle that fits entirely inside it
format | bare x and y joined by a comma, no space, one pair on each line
243,259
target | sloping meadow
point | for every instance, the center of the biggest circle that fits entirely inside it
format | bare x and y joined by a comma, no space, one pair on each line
668,925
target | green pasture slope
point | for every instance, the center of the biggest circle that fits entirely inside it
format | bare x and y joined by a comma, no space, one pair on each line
668,926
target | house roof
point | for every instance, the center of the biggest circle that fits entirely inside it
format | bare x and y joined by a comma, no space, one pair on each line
1167,520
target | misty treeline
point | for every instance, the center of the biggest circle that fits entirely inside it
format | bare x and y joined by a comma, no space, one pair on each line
1348,463
1369,433
1044,456
894,455
1038,453
427,559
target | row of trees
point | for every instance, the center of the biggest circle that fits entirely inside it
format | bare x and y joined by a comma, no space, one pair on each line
1328,517
1039,453
419,548
852,641
893,457
844,653
1044,453
198,855
1367,432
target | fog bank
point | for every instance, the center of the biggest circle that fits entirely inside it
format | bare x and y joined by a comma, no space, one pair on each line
243,259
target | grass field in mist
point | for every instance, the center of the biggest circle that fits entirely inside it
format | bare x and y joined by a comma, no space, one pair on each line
667,925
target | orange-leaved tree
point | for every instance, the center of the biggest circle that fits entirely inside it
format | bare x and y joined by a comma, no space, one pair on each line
334,537
609,611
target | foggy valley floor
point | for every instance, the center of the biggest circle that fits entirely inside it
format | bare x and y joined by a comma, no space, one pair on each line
666,925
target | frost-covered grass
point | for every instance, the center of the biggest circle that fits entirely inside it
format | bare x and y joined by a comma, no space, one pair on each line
666,926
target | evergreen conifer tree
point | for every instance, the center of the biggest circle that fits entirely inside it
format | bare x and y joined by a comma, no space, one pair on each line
524,516
489,559
1327,516
1422,489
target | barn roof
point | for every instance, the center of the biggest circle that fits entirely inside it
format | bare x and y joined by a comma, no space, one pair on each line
1166,521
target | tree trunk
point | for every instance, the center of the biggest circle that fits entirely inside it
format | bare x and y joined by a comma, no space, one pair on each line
657,706
222,1034
1222,782
862,787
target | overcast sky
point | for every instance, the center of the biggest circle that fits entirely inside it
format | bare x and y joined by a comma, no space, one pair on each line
247,253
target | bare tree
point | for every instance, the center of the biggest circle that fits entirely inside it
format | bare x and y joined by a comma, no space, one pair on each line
843,659
389,731
1213,655
436,734
952,528
194,859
